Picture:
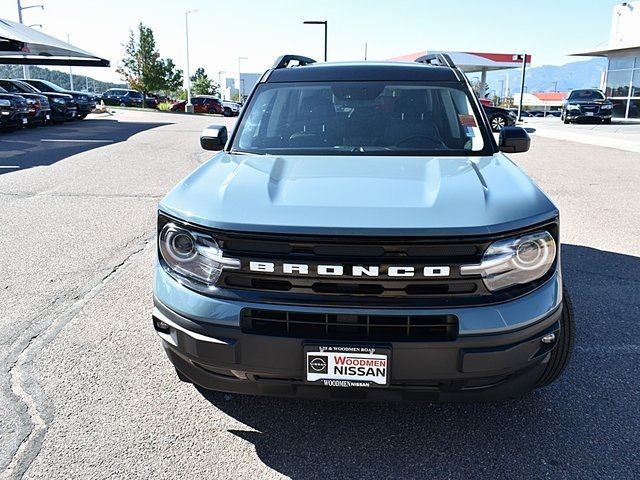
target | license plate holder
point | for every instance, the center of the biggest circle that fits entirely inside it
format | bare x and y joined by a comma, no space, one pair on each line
24,121
346,365
589,114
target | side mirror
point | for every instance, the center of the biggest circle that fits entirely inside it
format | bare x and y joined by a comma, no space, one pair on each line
214,137
514,140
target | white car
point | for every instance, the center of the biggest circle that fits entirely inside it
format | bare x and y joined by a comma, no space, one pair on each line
231,109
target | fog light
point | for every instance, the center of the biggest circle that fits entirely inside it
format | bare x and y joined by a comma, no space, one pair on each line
548,338
161,326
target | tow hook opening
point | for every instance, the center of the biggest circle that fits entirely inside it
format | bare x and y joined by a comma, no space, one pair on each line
549,338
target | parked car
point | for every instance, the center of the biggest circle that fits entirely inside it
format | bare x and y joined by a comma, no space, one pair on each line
122,97
485,102
201,104
151,101
13,111
362,235
231,109
37,103
63,107
499,118
84,103
587,103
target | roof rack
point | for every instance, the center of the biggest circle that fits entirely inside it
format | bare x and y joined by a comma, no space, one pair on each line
285,60
441,58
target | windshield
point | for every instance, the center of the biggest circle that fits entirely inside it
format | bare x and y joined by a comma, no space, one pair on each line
135,94
586,95
341,118
8,87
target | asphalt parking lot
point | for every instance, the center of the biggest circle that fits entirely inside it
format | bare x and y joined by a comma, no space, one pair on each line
86,390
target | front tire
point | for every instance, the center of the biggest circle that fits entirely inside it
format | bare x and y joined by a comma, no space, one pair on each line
564,345
227,112
607,121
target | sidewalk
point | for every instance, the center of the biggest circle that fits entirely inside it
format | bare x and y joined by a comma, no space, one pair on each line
621,135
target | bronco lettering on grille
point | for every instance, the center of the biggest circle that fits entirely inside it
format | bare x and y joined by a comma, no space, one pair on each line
354,271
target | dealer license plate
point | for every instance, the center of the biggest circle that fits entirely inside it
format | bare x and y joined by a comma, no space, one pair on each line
345,366
589,114
24,121
47,116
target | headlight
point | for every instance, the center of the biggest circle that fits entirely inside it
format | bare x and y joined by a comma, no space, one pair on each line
60,101
31,101
515,261
606,107
5,103
193,258
573,107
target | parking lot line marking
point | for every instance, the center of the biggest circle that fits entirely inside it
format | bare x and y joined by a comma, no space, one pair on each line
9,166
74,140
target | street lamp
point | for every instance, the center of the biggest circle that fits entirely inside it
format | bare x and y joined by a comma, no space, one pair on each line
220,83
25,68
317,22
188,108
239,79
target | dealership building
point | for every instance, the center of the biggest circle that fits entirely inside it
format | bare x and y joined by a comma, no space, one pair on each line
621,81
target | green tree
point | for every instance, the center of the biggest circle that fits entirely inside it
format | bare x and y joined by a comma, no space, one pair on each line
143,69
201,84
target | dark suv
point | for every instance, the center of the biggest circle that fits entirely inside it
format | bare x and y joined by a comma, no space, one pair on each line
586,104
63,107
83,101
39,110
361,234
122,97
13,111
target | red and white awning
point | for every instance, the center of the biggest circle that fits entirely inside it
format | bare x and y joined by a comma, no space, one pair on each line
470,62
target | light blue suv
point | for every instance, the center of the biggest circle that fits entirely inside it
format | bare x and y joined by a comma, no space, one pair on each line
362,235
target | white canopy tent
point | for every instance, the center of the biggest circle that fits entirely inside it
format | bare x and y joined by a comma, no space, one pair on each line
21,45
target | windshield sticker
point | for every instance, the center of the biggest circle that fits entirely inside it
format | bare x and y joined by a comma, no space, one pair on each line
467,120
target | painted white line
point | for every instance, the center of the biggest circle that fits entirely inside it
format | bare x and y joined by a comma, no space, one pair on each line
75,140
9,166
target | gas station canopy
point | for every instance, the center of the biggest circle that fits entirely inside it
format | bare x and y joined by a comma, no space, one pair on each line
21,45
470,62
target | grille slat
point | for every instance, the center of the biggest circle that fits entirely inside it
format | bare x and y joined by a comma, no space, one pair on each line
350,327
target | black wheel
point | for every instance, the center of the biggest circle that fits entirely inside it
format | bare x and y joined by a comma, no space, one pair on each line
227,112
564,345
606,121
122,104
498,122
82,117
565,119
211,111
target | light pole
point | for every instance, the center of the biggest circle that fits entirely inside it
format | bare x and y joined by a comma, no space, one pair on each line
555,86
220,83
188,108
70,70
318,22
239,79
25,68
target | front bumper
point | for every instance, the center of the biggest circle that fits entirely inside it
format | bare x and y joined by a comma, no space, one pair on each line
498,353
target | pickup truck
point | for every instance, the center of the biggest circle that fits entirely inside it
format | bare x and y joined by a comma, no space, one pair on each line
361,234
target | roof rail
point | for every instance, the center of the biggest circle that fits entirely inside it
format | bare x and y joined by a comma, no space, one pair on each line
285,60
441,58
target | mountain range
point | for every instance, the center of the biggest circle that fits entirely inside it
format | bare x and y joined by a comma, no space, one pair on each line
550,78
80,82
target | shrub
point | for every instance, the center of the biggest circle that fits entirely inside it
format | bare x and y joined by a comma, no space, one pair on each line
165,106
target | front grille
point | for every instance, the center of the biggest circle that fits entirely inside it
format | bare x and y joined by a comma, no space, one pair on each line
337,326
590,109
349,252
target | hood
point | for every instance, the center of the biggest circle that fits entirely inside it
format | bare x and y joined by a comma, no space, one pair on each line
588,102
358,195
58,95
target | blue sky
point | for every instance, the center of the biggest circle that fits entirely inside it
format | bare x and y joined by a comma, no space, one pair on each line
261,30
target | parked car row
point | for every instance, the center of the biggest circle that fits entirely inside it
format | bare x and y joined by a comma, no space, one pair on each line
209,104
33,102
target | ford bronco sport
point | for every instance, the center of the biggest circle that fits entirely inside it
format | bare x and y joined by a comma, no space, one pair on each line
361,235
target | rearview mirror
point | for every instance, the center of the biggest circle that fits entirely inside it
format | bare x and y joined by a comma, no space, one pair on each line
514,140
214,137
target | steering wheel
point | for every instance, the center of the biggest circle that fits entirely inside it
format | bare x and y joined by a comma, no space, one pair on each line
435,141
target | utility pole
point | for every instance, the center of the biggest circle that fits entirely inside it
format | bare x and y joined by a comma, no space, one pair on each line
188,108
70,69
222,89
240,78
365,51
524,71
25,68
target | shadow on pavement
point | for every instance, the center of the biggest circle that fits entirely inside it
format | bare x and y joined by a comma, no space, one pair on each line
583,426
44,146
